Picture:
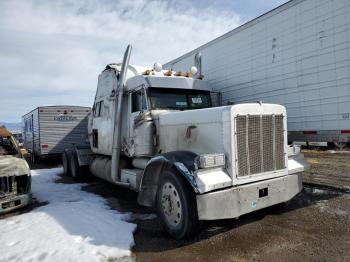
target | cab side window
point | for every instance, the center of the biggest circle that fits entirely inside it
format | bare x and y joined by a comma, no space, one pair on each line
138,101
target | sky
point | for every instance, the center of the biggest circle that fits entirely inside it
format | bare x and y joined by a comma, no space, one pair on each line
51,52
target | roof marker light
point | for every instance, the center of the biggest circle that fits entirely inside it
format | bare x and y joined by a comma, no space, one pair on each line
170,72
188,74
157,67
179,73
193,70
147,72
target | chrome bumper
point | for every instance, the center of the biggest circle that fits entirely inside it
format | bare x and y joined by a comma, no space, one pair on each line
236,201
11,203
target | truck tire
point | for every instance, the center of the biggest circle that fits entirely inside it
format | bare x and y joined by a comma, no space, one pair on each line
65,163
176,205
75,170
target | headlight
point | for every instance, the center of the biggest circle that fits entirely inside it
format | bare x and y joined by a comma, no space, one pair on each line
211,160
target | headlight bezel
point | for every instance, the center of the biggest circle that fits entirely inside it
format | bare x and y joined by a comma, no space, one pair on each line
210,160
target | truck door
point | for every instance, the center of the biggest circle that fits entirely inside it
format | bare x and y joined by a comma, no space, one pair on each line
102,128
140,125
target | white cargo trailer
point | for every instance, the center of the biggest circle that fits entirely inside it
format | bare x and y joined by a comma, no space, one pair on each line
297,55
48,130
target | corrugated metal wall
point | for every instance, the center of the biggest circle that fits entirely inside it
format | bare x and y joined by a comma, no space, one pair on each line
56,128
297,55
59,133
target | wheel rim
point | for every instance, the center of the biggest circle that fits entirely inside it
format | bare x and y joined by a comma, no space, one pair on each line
171,204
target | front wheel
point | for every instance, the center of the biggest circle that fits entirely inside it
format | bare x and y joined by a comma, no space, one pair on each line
176,205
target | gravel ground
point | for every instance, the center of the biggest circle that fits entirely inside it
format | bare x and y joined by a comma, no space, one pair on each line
314,226
328,168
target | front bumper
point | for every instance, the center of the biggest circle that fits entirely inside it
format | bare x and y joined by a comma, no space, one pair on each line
236,201
11,203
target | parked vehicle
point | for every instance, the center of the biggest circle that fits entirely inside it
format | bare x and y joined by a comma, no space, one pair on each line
15,179
295,55
48,130
157,132
19,138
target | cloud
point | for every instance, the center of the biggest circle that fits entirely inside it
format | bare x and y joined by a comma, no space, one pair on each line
51,52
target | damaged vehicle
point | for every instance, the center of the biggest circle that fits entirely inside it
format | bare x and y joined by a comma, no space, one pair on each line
15,179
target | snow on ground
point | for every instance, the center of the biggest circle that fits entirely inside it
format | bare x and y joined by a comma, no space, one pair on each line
74,226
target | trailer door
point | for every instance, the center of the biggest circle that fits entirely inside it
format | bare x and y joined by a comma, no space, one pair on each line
32,132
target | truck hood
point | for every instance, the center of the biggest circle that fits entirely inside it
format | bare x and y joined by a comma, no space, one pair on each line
220,130
13,166
206,130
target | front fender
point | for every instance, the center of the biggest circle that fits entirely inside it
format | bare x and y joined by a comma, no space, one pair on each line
296,160
182,161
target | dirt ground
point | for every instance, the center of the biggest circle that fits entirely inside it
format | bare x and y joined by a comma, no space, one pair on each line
314,226
328,168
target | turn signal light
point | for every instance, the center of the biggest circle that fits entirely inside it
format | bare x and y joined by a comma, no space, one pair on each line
169,73
211,160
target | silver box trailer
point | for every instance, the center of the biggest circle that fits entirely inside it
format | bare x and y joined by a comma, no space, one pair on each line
48,130
297,55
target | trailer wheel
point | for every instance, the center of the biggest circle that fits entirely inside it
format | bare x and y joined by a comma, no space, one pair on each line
176,205
65,163
75,169
34,159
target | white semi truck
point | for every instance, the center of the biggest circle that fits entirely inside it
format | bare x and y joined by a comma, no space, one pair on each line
157,132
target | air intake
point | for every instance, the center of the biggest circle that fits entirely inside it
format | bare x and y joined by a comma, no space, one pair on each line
259,144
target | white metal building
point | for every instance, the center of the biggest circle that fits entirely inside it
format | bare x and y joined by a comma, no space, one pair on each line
297,55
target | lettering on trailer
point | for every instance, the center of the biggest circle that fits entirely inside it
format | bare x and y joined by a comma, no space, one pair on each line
346,115
65,118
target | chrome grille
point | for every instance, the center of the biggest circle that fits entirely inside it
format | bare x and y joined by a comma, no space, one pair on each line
259,143
13,185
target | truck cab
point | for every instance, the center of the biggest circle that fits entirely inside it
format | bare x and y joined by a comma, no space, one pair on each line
146,96
185,156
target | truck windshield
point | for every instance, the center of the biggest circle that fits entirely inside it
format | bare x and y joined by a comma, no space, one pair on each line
179,99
